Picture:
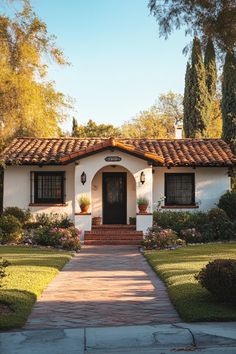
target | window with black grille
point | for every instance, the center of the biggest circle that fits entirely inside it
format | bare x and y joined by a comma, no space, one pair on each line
48,187
179,189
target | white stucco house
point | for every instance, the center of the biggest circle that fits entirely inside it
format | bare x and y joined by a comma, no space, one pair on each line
50,174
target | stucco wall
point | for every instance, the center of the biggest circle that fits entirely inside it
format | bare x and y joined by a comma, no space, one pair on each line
17,188
210,184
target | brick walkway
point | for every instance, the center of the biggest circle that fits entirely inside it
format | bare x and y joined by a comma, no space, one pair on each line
103,286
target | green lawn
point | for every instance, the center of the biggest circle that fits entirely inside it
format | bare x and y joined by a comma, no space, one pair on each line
30,272
177,268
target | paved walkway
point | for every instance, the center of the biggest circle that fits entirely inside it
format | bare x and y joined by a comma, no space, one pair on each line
103,286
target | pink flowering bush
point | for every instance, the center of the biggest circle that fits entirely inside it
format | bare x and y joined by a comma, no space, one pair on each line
68,239
60,237
161,238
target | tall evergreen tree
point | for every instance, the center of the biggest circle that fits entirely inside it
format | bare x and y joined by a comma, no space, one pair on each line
228,104
210,67
196,103
74,127
187,101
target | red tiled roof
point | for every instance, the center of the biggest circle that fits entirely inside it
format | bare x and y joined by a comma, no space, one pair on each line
165,152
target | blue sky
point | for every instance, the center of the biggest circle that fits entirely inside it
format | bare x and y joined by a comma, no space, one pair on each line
119,65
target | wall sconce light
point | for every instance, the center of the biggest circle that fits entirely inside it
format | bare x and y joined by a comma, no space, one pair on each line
83,178
142,177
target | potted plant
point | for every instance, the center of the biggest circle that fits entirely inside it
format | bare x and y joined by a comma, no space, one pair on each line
84,203
96,220
142,204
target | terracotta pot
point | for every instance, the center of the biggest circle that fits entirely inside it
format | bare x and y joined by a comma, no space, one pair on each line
142,208
97,220
84,208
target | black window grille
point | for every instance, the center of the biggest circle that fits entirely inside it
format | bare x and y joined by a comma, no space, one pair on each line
49,187
179,189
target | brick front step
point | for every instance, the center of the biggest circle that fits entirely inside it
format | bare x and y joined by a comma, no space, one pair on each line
112,242
119,235
113,237
114,226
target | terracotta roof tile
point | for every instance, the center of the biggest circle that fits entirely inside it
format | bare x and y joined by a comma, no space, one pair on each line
166,152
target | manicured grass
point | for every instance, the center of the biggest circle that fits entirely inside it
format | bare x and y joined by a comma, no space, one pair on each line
177,268
30,272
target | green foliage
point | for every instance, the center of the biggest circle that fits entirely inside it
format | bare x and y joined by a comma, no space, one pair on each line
198,226
191,235
27,100
158,121
214,19
142,201
65,238
227,202
84,200
22,215
210,68
92,129
132,220
3,265
219,227
31,270
74,127
228,104
161,238
178,268
219,277
50,220
196,101
179,220
10,229
187,123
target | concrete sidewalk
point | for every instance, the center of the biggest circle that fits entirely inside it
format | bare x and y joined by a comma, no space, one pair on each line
149,339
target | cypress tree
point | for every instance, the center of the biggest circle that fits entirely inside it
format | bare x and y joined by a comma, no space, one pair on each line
210,68
228,104
74,127
199,115
187,102
196,102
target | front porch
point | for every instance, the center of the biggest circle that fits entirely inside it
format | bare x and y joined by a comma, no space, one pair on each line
113,191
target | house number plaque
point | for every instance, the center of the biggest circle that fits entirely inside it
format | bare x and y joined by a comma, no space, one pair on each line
112,158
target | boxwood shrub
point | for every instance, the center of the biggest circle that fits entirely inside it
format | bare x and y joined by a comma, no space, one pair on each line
219,278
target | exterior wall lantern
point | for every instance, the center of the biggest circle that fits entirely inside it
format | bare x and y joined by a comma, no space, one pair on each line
142,177
83,178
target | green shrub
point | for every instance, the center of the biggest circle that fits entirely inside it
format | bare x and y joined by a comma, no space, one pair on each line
3,265
132,220
21,214
10,229
66,238
175,220
191,235
50,220
198,226
219,227
219,278
227,202
161,238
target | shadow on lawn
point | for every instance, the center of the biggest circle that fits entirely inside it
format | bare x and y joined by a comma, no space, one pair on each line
195,303
52,262
20,302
